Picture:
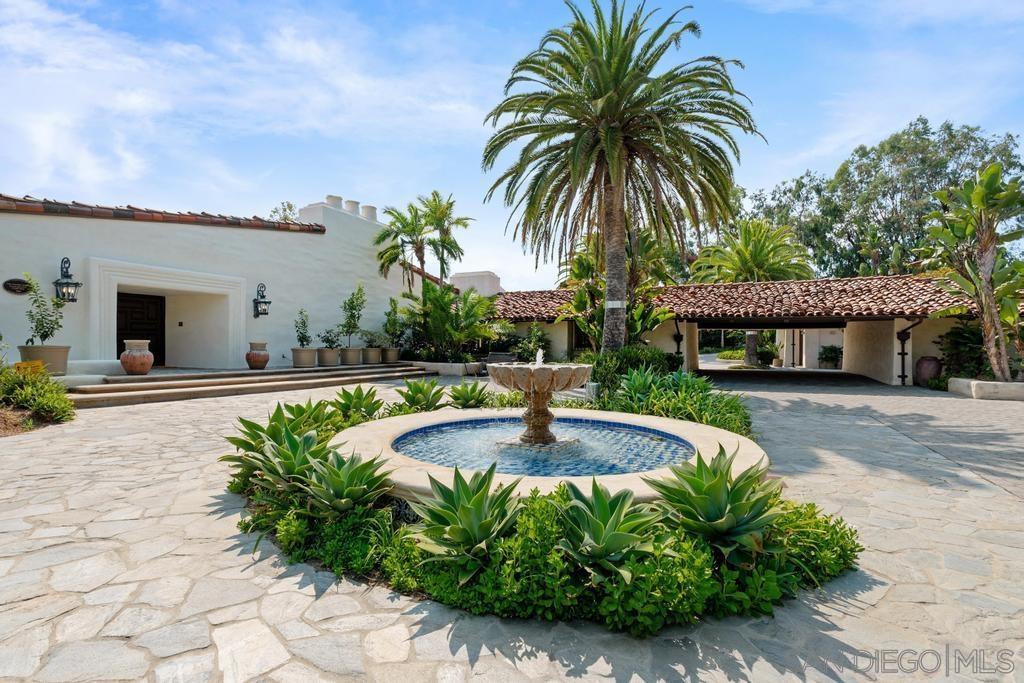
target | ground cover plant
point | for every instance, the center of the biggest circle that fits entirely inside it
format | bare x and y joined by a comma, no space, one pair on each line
715,543
31,398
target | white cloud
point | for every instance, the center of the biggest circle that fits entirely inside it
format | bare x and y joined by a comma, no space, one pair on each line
86,106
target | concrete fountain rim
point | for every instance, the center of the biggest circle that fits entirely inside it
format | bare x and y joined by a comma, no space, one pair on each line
410,476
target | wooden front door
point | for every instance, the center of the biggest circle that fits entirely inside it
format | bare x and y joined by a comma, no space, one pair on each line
141,316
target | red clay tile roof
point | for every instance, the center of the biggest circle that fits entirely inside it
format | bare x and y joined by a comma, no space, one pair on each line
49,207
521,307
883,296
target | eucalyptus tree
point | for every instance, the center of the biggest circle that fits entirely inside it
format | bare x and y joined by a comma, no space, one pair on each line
600,134
755,251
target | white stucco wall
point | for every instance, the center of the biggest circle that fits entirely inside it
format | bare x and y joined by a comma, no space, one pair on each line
300,270
869,349
924,337
195,330
661,336
485,282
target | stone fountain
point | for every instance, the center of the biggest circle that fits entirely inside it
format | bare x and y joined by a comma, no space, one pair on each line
538,382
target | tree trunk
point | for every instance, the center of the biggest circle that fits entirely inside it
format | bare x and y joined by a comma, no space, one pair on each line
750,353
991,323
613,233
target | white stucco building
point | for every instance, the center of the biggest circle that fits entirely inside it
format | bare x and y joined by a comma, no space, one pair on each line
187,280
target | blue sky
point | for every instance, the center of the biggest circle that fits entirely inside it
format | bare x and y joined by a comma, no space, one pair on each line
232,107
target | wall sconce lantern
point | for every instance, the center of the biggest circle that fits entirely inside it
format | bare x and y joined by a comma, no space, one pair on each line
67,287
261,304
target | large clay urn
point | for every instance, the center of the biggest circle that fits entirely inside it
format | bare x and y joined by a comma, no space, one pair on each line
926,368
257,356
136,359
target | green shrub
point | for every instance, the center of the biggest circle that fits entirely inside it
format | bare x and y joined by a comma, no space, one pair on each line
963,352
669,585
291,532
940,383
536,339
831,354
44,398
507,399
472,395
731,354
608,367
820,546
349,544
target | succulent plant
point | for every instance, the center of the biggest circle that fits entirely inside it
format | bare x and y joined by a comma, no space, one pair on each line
421,395
704,499
358,402
472,395
463,522
337,484
601,529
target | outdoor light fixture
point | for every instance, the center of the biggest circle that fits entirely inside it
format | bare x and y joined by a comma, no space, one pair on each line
261,304
67,288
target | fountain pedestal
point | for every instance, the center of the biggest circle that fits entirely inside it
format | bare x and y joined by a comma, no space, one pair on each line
538,382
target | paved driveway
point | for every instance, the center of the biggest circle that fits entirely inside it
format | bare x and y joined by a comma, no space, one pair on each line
119,559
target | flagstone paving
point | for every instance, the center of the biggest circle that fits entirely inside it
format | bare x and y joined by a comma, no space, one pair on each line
120,559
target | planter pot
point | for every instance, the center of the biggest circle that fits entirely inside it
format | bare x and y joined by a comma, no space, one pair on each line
136,359
351,356
303,358
371,356
776,362
257,357
327,358
828,365
926,368
55,358
390,355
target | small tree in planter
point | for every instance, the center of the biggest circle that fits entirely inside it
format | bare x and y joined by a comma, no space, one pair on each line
46,318
302,355
375,342
352,307
394,331
327,354
830,357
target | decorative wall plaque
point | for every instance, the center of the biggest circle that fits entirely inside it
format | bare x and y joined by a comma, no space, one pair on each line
16,286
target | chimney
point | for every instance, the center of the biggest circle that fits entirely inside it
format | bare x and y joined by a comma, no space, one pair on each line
369,212
352,206
333,201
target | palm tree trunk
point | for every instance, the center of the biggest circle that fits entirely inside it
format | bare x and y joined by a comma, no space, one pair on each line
614,235
750,352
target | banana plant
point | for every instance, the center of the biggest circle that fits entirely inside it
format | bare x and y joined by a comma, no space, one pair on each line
462,523
602,530
704,499
337,484
472,395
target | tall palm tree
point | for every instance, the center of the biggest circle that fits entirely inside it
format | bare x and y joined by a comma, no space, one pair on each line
439,213
406,239
756,251
600,133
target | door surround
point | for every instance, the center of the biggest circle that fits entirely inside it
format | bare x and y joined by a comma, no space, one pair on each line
106,276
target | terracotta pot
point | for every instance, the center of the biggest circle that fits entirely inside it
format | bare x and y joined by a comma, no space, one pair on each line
54,357
926,368
303,357
371,356
776,362
327,358
257,357
351,356
391,355
136,359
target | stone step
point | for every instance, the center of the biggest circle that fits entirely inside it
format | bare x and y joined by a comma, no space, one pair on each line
220,374
168,381
156,395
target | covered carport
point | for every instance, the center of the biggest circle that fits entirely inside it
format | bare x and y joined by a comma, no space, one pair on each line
883,320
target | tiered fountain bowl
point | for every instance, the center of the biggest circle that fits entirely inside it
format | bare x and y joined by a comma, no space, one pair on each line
539,382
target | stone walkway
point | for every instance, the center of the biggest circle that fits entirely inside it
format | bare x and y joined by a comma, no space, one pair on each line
119,559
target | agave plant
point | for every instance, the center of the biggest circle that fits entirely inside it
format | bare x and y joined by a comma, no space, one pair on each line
337,484
703,498
421,395
358,402
283,467
685,383
463,522
472,395
601,529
